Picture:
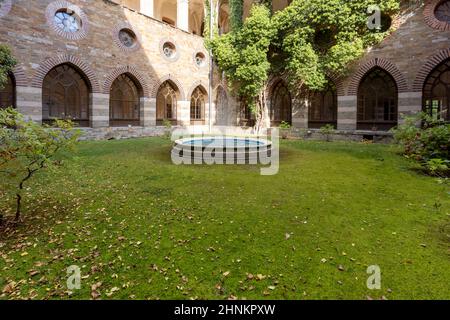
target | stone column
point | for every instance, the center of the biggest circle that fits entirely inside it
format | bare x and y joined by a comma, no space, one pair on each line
184,113
183,14
347,112
148,112
100,110
147,7
409,103
29,103
300,113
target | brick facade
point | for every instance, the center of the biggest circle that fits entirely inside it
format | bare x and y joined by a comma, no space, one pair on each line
419,43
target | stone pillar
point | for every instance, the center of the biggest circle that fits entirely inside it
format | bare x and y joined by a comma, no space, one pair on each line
184,113
300,113
100,110
147,7
347,112
183,14
29,103
148,112
409,103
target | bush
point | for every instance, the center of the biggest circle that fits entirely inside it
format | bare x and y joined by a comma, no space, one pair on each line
327,131
427,141
27,147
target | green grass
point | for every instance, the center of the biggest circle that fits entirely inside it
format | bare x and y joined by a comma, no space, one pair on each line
133,221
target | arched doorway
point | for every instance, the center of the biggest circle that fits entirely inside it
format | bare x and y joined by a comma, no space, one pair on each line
198,99
125,100
323,107
377,101
436,92
66,95
8,93
166,103
281,105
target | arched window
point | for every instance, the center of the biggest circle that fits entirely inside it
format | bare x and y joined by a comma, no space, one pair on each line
221,107
65,95
198,106
124,105
166,103
436,92
248,118
377,101
281,105
323,107
224,17
8,93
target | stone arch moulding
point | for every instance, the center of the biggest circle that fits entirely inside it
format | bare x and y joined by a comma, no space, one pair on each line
338,83
273,80
20,76
384,64
50,63
196,84
155,89
430,16
133,71
432,62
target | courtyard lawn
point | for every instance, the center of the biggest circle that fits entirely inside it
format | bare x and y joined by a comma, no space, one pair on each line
140,227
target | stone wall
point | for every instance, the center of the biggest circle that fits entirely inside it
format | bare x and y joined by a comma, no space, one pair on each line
38,48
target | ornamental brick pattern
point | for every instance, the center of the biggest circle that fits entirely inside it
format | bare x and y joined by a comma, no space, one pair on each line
53,8
140,79
49,64
171,78
127,26
384,64
194,86
20,77
430,17
431,63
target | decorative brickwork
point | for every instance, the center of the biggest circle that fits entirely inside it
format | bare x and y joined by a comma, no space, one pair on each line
20,77
119,43
168,77
430,15
431,63
49,64
196,84
54,7
384,64
131,70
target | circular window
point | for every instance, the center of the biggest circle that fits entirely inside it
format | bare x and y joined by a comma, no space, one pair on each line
200,59
437,14
127,38
169,50
67,20
442,12
386,23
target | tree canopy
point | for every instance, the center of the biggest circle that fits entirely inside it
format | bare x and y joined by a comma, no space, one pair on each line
307,42
7,63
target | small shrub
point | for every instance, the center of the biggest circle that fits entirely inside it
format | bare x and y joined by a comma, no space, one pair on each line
27,147
425,140
285,128
327,131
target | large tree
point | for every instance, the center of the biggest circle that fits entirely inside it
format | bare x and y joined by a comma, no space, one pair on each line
306,42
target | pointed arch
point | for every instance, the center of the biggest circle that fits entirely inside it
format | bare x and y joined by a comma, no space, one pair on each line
174,81
384,64
196,84
133,72
79,64
377,101
430,65
8,92
125,101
